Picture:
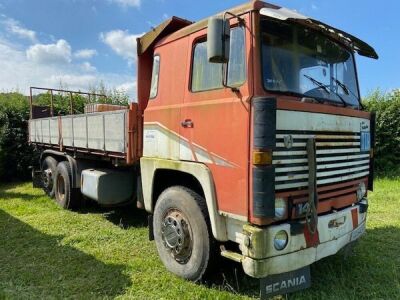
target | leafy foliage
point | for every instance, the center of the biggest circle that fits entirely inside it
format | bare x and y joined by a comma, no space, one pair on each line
62,101
16,155
387,149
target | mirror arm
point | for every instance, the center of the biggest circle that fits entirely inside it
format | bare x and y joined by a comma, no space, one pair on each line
225,79
240,20
225,65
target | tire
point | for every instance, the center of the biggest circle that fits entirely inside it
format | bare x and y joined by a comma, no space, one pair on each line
49,167
182,232
65,196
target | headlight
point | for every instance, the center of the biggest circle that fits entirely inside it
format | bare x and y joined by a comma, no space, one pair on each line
361,191
280,208
280,240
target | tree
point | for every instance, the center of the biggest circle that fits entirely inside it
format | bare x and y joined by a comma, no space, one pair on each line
387,149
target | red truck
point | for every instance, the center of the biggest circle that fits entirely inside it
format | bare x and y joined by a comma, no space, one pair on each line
248,140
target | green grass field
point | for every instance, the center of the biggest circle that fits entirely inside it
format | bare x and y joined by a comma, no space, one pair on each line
46,252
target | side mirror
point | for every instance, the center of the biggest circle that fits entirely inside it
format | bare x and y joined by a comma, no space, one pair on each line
218,40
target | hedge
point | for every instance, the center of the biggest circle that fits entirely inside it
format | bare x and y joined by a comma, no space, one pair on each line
16,155
387,150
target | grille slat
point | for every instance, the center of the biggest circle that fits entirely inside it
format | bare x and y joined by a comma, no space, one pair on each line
320,136
319,159
321,166
338,159
320,182
319,152
320,144
338,165
321,174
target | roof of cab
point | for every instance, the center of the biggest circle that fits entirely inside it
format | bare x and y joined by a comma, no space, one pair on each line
185,27
176,28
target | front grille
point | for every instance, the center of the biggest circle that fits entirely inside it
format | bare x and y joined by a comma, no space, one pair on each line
339,159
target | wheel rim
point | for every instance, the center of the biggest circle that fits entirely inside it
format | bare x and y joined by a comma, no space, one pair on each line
176,235
60,188
47,178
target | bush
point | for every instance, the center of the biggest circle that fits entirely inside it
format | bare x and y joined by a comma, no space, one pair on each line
387,149
61,100
16,155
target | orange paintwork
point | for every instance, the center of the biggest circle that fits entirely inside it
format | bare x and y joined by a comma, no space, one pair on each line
135,130
293,103
221,125
221,118
165,108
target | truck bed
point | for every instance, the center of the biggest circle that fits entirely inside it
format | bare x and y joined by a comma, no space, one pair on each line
102,133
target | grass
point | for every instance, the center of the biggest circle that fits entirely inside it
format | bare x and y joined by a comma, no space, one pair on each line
47,252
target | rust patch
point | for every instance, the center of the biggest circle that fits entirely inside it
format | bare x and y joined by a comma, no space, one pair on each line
312,240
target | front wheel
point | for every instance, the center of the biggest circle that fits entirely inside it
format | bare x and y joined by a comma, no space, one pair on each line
181,232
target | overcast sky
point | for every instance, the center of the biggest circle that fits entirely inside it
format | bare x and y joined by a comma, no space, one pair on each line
83,42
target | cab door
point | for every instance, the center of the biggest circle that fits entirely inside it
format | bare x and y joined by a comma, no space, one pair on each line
215,119
161,137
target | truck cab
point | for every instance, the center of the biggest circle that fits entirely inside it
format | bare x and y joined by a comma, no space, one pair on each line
261,107
248,140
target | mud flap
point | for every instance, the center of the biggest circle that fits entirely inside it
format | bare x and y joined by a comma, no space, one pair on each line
37,178
285,283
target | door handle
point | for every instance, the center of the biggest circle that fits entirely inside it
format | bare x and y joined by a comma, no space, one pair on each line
187,123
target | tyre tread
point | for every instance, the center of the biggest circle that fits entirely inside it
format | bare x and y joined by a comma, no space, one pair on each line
73,195
202,205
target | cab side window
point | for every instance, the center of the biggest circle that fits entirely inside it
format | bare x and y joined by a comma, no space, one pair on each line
237,66
155,77
208,76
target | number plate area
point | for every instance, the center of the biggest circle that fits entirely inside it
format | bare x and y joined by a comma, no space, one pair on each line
285,283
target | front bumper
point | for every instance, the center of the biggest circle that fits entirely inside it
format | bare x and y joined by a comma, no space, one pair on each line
335,230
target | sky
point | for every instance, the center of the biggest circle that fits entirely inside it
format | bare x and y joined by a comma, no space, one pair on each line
80,43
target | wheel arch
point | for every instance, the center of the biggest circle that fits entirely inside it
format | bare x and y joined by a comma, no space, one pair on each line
164,178
153,170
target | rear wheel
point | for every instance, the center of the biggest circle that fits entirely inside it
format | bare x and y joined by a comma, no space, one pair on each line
181,232
66,196
49,167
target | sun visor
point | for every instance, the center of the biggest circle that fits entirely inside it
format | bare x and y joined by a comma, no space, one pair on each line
354,43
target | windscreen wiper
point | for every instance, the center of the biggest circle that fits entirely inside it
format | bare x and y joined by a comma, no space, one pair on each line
346,90
318,83
323,86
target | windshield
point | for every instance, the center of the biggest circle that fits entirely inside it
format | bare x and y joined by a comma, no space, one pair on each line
299,60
